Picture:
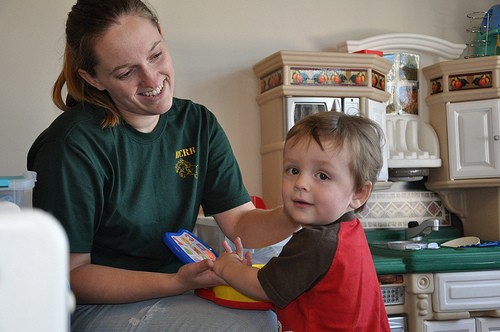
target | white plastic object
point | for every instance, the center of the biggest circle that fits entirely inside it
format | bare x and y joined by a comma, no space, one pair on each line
6,206
413,143
34,273
461,241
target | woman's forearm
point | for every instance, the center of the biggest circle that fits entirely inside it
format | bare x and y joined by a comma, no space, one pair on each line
93,284
257,228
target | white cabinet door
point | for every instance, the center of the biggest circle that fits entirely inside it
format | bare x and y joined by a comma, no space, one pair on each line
487,324
460,325
473,139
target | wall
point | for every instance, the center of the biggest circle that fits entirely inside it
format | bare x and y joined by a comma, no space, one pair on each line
214,45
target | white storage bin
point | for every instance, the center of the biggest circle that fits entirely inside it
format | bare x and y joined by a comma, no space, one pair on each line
17,189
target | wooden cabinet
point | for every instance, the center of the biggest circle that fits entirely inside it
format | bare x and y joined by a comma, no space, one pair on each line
452,301
311,74
474,139
463,110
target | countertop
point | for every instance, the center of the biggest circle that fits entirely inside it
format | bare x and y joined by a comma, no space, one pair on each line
393,261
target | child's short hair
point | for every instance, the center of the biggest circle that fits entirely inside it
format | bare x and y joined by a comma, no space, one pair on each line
364,137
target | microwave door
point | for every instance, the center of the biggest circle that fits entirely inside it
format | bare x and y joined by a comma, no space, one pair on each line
297,108
301,110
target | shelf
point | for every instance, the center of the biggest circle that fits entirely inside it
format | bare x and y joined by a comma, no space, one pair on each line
463,80
325,74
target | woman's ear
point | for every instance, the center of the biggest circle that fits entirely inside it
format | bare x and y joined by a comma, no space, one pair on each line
361,195
91,79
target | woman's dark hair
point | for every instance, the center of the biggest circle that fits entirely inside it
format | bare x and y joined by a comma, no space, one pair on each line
87,21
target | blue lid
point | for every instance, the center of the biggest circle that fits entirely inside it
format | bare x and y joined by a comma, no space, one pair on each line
6,180
494,13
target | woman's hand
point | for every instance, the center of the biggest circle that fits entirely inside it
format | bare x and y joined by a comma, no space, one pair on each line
198,275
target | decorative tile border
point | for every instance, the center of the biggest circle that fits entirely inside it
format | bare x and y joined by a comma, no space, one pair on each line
396,209
470,81
271,81
378,80
328,76
312,76
436,85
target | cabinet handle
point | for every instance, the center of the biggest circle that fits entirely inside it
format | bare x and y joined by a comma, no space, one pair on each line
496,137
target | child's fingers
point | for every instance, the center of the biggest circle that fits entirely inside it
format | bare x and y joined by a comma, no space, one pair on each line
227,247
248,258
239,247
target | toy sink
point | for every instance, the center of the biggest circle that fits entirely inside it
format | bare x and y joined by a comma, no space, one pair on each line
444,259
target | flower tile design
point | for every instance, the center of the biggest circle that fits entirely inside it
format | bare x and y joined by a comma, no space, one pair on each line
396,209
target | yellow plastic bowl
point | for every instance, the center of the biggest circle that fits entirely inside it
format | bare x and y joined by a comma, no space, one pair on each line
227,296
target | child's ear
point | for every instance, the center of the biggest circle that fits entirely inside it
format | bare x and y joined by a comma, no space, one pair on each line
361,195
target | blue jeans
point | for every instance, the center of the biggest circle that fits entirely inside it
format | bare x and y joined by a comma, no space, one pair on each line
183,313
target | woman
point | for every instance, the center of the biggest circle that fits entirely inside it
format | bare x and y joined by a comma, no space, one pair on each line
126,162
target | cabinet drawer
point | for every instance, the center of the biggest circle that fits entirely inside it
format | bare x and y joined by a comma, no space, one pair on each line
466,291
484,324
461,325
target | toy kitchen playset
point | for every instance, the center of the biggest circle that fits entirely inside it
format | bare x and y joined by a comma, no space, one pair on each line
438,133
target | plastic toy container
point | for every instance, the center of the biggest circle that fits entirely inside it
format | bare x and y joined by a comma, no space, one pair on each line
17,189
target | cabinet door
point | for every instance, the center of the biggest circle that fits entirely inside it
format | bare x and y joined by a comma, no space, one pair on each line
460,325
466,291
487,324
473,138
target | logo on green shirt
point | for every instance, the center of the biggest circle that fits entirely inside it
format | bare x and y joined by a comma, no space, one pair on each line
183,167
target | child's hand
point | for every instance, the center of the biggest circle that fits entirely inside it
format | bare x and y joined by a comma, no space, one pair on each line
236,269
229,257
245,259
